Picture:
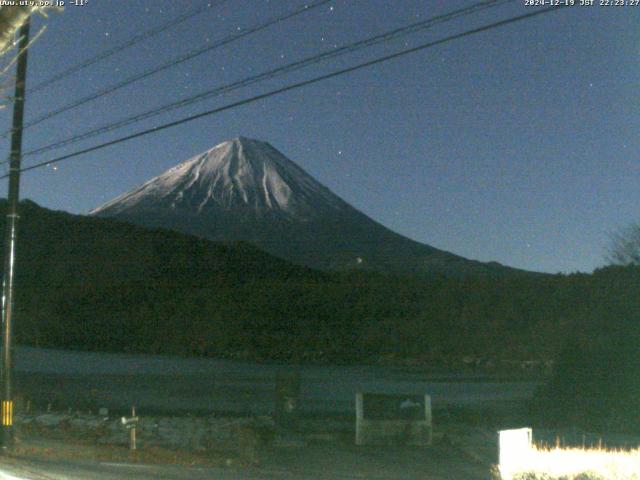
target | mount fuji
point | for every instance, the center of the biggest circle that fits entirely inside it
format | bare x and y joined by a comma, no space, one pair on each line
246,190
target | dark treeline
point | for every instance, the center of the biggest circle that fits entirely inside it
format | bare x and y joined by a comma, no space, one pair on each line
96,284
595,384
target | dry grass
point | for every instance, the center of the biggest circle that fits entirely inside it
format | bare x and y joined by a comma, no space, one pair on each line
572,464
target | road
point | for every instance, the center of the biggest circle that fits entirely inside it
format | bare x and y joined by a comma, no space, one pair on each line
40,470
322,463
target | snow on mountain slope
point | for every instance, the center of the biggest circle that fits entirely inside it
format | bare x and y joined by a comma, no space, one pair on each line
246,190
241,173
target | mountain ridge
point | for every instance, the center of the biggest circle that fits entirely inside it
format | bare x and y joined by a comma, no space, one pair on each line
247,190
226,176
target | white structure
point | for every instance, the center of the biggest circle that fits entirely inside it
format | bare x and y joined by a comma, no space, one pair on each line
515,449
383,419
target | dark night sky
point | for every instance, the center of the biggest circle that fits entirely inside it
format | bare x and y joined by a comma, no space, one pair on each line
518,144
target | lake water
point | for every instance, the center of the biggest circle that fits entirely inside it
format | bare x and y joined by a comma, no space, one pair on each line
181,385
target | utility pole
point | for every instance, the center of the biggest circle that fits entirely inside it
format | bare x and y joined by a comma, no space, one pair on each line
11,237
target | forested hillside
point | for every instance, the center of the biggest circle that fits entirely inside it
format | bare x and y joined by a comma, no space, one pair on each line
97,284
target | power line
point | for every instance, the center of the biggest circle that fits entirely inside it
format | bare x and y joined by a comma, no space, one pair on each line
294,86
297,65
123,46
181,59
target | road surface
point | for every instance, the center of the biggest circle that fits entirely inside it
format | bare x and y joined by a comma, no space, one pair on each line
319,462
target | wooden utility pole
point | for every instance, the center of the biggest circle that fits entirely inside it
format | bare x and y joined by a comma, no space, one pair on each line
11,228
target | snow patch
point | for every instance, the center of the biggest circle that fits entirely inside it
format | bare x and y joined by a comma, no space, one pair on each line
239,173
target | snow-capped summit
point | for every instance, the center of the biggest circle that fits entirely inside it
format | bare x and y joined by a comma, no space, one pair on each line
237,174
246,190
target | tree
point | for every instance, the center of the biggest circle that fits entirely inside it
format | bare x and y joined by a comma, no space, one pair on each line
625,246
